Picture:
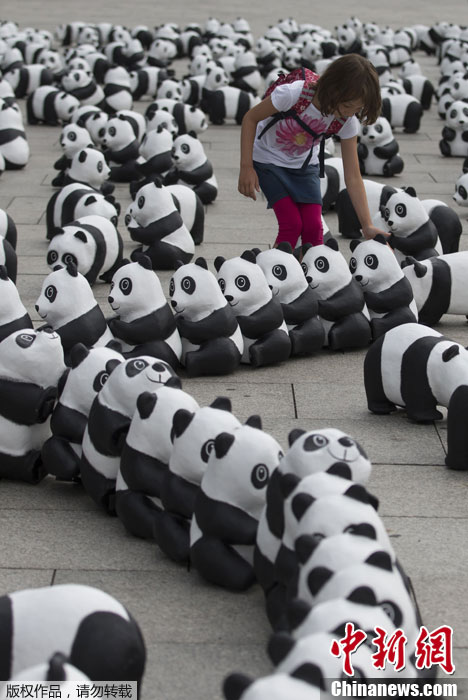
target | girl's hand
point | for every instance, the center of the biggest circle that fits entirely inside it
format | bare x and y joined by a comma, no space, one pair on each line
372,231
248,181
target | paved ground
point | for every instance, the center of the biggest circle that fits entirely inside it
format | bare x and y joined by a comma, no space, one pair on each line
52,533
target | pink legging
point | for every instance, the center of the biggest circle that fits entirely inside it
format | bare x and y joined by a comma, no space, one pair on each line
298,219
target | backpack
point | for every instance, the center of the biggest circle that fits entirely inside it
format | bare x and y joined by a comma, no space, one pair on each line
307,95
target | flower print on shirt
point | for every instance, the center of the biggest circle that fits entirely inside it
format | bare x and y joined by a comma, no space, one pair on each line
291,137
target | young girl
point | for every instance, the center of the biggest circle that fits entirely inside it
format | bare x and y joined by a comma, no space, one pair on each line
284,160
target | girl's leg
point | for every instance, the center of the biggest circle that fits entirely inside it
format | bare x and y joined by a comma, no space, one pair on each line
312,228
290,223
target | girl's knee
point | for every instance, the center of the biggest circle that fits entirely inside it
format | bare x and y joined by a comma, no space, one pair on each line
312,225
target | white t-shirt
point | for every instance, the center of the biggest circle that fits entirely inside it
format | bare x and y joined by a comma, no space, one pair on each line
286,143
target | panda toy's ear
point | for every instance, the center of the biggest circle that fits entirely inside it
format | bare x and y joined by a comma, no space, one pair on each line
144,261
56,670
294,435
381,559
354,244
180,421
410,190
301,503
82,157
340,469
279,646
420,270
112,364
386,193
145,404
332,243
380,239
357,492
363,595
254,422
223,403
250,256
450,353
256,251
285,246
81,236
287,483
72,269
317,578
304,546
222,444
114,345
201,262
78,354
90,200
3,273
235,685
219,260
192,134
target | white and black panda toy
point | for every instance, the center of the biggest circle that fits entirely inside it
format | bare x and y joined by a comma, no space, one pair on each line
121,148
144,322
403,111
378,150
13,313
72,139
229,503
193,435
427,369
420,87
31,363
227,103
387,292
298,301
156,158
14,147
8,229
192,168
117,89
109,420
82,85
246,74
191,209
66,303
92,243
26,78
188,118
258,313
461,190
88,372
71,619
74,201
145,81
51,106
212,341
438,285
93,119
154,221
160,117
89,167
454,140
145,458
341,305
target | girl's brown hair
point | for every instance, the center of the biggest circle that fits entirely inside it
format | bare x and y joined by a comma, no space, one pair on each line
347,79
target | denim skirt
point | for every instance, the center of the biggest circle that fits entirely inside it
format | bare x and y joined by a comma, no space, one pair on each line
301,184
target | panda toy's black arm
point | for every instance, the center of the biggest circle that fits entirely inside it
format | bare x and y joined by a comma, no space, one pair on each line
262,321
399,294
224,521
107,429
346,301
62,163
198,175
25,403
448,134
302,308
419,242
386,151
158,325
68,423
220,323
172,177
363,151
157,230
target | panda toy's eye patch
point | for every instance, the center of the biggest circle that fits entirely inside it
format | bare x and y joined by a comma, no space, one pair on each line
100,166
72,136
112,131
259,476
379,128
386,213
371,261
52,257
315,442
171,288
222,284
114,220
69,258
353,264
280,272
141,202
135,367
453,114
304,268
207,449
125,286
99,380
25,340
322,264
400,209
50,293
393,612
363,530
242,282
462,192
188,285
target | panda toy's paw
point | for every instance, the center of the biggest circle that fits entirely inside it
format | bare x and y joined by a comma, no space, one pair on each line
444,147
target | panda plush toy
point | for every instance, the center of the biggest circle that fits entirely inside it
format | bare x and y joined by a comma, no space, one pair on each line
169,89
117,89
89,167
298,301
14,147
341,304
461,190
66,303
378,150
188,118
438,285
427,369
155,222
26,78
246,74
193,435
258,313
88,372
71,619
109,421
121,148
192,168
75,201
51,106
92,243
8,229
145,458
160,117
387,292
227,102
454,140
82,85
31,363
144,81
144,322
229,503
13,314
403,111
156,152
212,341
93,119
72,139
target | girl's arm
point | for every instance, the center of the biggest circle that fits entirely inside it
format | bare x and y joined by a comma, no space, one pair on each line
248,180
356,189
